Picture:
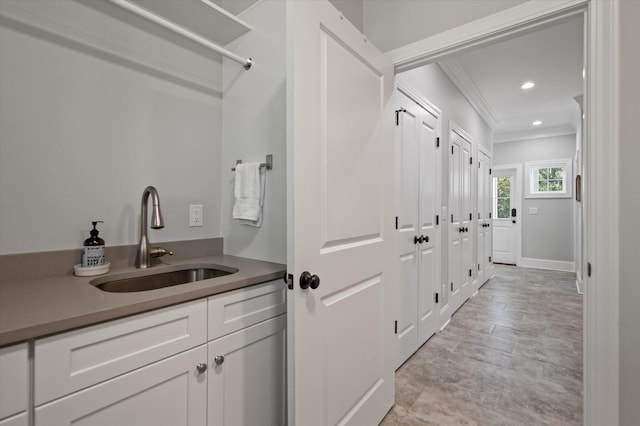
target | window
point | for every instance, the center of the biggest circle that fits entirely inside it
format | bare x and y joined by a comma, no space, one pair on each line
548,179
502,197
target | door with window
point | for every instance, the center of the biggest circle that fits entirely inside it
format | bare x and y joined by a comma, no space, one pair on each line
505,215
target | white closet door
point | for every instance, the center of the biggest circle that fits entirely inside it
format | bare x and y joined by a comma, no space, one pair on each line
460,223
417,198
429,201
484,216
407,157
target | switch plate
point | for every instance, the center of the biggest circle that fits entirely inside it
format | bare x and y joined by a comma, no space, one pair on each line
533,210
195,215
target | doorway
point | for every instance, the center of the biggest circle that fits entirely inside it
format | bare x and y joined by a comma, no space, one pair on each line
506,196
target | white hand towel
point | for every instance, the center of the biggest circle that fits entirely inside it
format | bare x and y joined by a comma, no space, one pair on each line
249,194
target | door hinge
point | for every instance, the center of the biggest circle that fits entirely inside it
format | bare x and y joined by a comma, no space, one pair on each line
588,269
470,273
478,266
396,327
451,149
398,111
470,216
478,215
451,286
451,218
489,171
396,222
470,160
489,215
489,258
437,219
436,297
478,165
438,142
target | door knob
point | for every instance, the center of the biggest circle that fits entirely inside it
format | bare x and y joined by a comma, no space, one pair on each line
219,359
417,240
201,368
425,238
307,280
466,229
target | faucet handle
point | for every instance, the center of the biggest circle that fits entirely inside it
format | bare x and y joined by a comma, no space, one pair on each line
160,251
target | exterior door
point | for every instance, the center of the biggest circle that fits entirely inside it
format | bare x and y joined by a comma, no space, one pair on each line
484,217
340,221
505,216
460,225
417,190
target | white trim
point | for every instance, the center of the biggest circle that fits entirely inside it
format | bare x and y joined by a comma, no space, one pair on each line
454,127
578,283
509,22
602,225
519,200
452,68
524,135
554,265
415,96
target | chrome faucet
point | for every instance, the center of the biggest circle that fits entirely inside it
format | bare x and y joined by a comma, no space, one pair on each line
143,259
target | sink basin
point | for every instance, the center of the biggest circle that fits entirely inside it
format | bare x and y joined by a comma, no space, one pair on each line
151,280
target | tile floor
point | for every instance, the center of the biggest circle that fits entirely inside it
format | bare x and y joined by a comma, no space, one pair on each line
511,355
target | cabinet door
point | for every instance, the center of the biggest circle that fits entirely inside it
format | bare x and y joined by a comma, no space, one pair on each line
14,379
247,376
168,392
19,420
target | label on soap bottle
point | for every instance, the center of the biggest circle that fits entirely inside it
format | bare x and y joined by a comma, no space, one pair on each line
93,256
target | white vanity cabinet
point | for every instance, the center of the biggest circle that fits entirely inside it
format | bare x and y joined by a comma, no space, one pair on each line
216,361
14,385
247,362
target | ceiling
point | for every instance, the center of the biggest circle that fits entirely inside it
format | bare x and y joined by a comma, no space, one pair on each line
491,76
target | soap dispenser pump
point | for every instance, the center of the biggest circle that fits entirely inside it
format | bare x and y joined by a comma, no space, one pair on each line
93,253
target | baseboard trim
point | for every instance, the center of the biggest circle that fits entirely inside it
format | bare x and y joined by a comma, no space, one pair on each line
554,265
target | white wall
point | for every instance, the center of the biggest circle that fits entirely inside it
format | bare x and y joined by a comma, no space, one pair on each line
92,111
548,235
392,24
629,249
254,125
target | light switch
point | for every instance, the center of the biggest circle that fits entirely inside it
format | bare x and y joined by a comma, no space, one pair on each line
533,210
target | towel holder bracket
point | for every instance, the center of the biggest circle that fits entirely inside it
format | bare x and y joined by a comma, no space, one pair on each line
268,164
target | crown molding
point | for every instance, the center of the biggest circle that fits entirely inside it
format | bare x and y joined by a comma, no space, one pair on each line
459,77
548,132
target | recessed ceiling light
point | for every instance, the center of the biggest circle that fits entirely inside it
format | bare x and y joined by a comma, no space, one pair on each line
537,123
527,85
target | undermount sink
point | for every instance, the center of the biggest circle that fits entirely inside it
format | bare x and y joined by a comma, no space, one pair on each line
151,280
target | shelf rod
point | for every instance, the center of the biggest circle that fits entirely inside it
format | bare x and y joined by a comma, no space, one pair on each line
144,13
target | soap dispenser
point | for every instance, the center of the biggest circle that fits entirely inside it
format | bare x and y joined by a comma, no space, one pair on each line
93,253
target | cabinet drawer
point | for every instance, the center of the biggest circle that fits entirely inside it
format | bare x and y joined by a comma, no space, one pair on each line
168,392
71,361
229,312
14,379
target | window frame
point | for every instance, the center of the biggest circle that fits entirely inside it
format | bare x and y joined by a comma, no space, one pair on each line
567,178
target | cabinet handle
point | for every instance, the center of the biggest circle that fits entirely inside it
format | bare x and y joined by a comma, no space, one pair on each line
219,359
201,368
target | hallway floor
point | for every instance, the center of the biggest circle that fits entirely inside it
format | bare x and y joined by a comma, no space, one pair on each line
511,355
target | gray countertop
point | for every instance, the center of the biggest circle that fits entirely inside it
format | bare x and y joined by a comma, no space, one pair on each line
36,308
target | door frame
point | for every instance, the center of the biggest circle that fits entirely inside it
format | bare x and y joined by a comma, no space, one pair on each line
601,195
517,189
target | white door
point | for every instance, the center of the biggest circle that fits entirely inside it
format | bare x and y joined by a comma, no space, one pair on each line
483,225
460,215
340,220
417,183
505,215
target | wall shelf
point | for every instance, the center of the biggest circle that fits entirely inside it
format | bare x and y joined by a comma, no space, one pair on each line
202,17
